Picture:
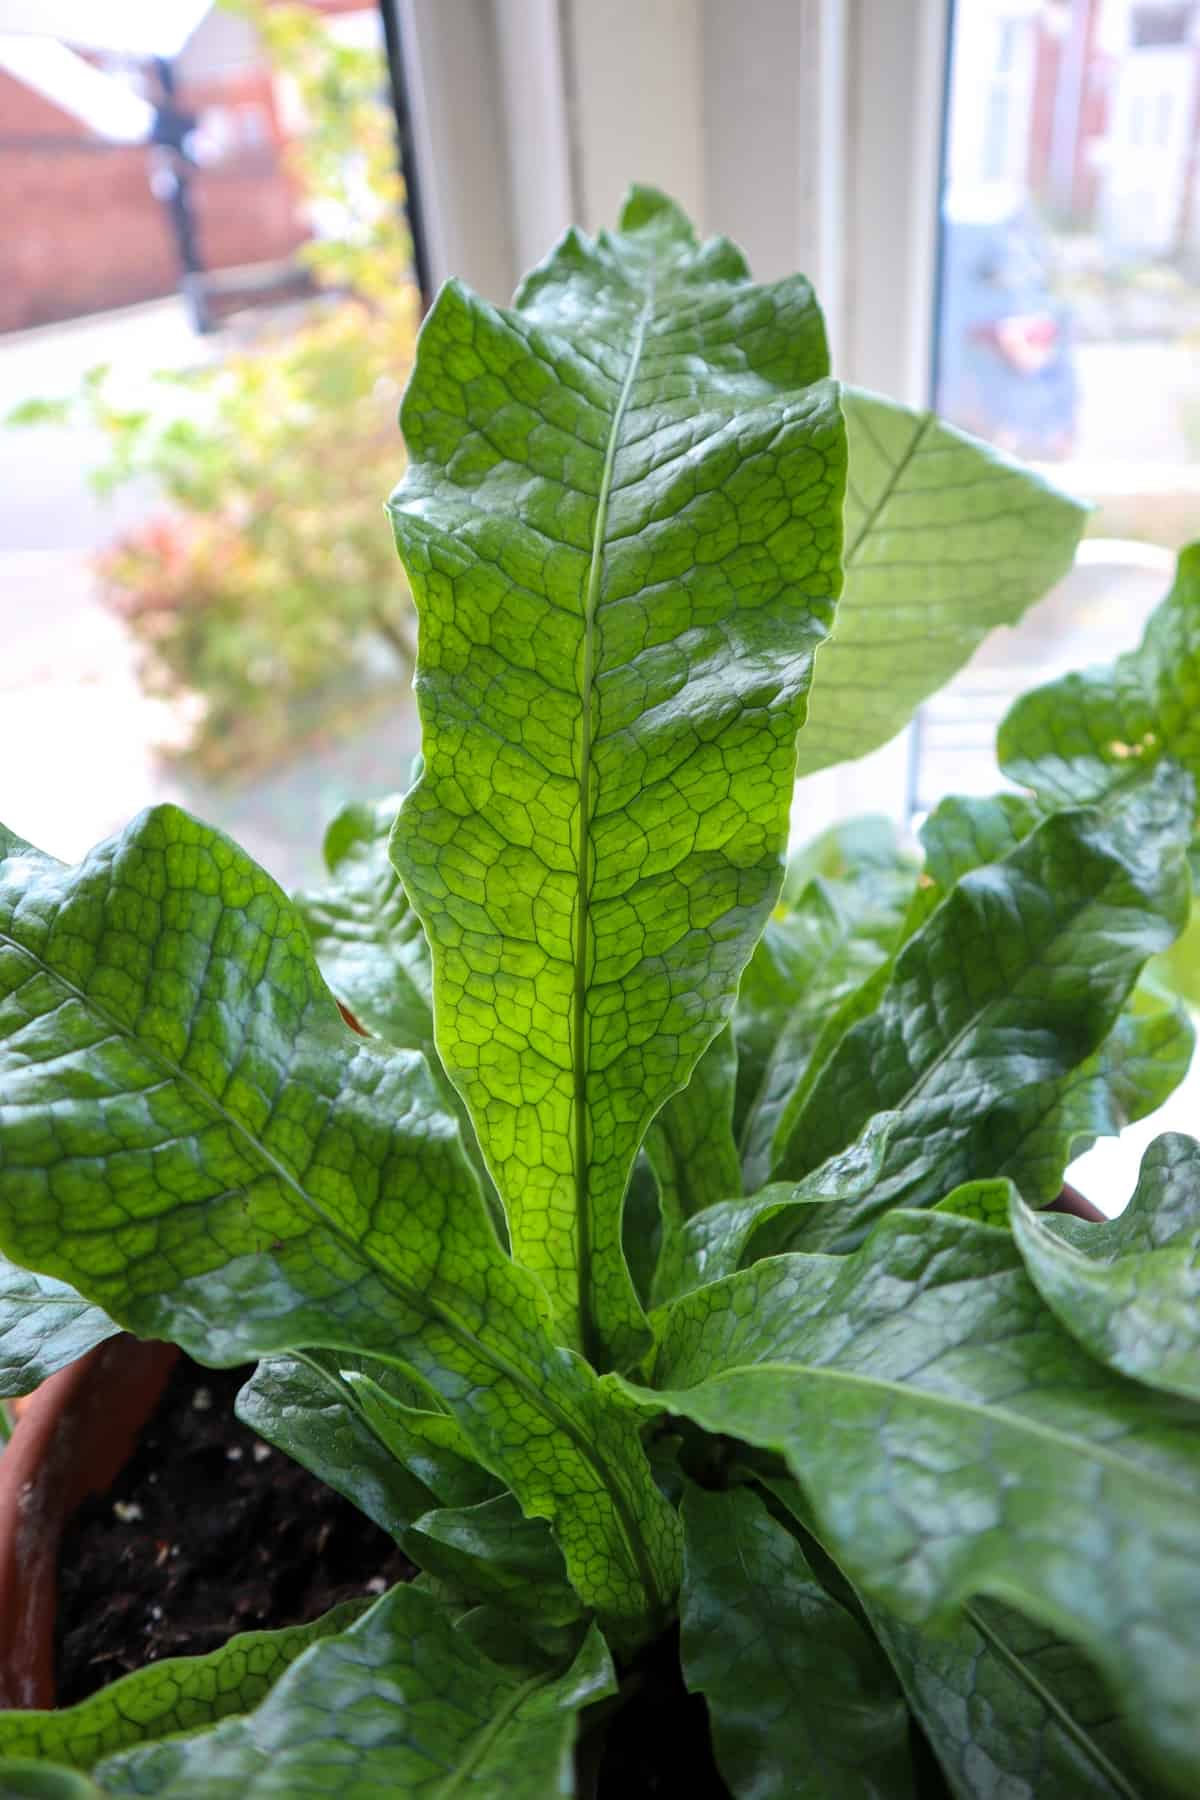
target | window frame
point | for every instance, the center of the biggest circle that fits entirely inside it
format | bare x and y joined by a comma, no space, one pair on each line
810,130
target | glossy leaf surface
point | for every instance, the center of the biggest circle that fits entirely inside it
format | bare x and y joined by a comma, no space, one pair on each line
372,951
1011,1710
852,927
965,831
491,1553
367,937
304,1406
690,1145
402,1703
191,1135
773,980
801,1702
953,1441
1081,737
1037,1132
1016,977
726,1237
180,1694
44,1324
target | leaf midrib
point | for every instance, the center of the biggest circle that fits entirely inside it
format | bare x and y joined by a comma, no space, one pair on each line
416,1298
487,1735
1067,1724
1016,1664
896,472
583,857
1072,1447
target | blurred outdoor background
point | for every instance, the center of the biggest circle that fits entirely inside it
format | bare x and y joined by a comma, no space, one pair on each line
205,339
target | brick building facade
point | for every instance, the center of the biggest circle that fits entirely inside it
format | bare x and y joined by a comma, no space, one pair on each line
82,230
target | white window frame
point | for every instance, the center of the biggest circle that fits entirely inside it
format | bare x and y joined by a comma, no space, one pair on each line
810,130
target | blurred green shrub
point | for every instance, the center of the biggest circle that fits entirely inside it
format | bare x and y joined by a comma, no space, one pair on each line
270,588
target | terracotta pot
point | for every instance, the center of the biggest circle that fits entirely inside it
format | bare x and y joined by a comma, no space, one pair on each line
71,1439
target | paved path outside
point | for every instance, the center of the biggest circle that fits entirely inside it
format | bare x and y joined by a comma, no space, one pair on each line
78,737
46,501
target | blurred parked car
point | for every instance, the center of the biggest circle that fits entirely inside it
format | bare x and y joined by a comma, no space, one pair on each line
1006,368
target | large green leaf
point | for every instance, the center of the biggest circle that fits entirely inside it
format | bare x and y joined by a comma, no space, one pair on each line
801,1076
965,831
800,1700
844,897
366,1431
430,1444
44,1324
180,1694
1129,1290
690,1145
1081,737
368,939
1016,978
1012,1712
772,982
945,540
1028,1138
191,1136
1178,970
402,1703
1036,1132
953,1441
622,525
691,1151
36,1780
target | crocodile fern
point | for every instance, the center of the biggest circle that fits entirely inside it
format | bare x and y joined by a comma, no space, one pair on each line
662,1263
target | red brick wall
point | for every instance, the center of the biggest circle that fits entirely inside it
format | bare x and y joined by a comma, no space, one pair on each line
1048,56
1091,125
82,231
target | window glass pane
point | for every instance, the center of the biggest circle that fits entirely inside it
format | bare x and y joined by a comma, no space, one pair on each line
205,324
1069,303
1069,312
1069,306
1068,333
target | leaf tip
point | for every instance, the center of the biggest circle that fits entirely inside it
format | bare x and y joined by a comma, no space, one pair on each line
649,209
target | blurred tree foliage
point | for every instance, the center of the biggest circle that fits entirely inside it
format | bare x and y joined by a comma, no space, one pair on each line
269,592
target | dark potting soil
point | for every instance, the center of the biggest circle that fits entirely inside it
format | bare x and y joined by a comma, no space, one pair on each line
207,1532
657,1746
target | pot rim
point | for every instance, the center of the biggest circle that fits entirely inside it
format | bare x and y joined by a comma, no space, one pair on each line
72,1438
